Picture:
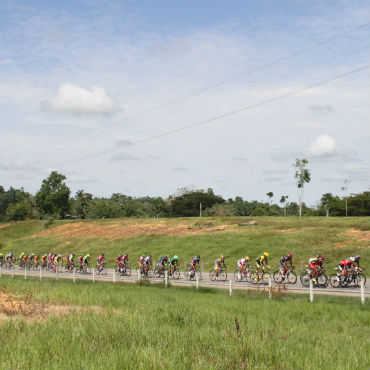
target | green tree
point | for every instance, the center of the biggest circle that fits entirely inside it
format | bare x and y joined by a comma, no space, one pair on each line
83,201
326,202
270,194
20,211
283,200
302,176
53,197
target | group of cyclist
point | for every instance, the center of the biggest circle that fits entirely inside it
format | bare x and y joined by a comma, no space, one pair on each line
145,262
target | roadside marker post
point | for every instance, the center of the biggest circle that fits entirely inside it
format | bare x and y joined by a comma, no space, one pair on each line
138,274
270,287
114,277
311,290
93,275
25,272
40,273
197,280
362,287
13,272
165,278
57,272
74,275
230,287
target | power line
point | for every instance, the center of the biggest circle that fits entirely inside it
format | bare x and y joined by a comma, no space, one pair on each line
196,92
210,120
221,116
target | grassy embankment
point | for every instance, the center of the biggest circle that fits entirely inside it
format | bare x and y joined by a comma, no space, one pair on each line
106,326
335,238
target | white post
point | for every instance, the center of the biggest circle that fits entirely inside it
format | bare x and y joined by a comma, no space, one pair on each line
12,271
57,272
311,290
270,287
362,286
230,287
165,278
74,275
93,275
138,274
114,277
40,273
197,280
25,272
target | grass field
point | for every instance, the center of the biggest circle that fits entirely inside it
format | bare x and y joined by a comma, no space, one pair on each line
335,238
61,325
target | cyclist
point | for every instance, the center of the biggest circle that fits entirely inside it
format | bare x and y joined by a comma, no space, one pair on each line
193,265
71,261
243,264
162,262
43,260
315,263
141,262
21,257
218,264
100,262
173,263
260,262
9,257
37,258
147,261
284,263
86,260
57,259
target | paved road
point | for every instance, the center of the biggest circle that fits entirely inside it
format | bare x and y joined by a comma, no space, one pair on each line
204,282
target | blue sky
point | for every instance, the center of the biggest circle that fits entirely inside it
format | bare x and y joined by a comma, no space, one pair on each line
78,78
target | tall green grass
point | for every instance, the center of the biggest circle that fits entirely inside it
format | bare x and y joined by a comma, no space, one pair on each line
150,327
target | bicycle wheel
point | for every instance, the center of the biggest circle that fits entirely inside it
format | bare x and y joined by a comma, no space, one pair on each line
238,276
305,279
265,278
223,275
334,281
212,275
278,277
199,274
322,280
255,277
127,271
157,273
176,275
291,277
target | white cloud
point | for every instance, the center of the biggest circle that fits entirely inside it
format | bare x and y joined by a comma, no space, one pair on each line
323,146
74,99
356,168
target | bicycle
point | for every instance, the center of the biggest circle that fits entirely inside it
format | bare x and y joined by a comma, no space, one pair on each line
159,272
290,277
222,274
102,270
243,275
173,273
123,270
192,274
145,271
321,278
262,276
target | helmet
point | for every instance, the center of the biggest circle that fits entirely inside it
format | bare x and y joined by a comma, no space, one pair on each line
175,257
88,255
266,254
59,255
126,255
144,255
222,257
289,255
357,257
198,257
121,255
102,254
247,258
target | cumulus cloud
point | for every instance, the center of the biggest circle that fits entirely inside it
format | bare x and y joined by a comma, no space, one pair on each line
74,99
324,146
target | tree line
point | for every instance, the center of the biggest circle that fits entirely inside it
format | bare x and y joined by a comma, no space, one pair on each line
54,200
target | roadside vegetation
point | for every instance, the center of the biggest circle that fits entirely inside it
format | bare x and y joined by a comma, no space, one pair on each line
334,238
147,327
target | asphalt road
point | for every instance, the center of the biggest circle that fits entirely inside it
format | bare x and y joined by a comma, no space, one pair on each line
204,282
